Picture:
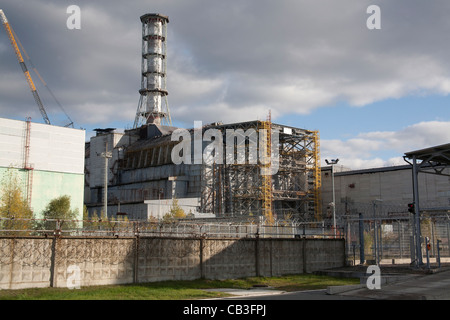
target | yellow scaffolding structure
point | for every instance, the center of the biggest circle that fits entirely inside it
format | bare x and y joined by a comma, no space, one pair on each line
267,192
317,177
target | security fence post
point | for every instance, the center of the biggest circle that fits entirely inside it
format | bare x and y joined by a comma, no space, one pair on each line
438,253
362,259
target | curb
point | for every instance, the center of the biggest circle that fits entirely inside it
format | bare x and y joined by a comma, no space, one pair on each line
345,288
252,292
389,278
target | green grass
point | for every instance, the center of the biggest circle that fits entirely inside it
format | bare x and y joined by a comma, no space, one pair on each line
174,290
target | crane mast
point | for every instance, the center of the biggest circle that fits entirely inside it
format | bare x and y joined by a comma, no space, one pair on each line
23,66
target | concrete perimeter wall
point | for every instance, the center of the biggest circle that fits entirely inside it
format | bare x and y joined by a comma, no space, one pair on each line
49,262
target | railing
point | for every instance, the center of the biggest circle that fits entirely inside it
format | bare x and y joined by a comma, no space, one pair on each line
175,228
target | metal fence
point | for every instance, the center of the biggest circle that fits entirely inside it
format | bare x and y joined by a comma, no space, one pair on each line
393,239
367,238
225,228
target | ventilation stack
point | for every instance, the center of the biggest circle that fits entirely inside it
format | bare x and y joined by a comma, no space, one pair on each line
153,76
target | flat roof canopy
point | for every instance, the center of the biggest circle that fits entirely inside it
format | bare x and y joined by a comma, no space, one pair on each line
434,159
439,154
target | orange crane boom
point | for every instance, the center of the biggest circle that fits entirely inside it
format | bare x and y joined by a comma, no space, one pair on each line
23,66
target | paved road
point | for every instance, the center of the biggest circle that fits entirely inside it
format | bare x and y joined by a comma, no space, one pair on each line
299,295
434,286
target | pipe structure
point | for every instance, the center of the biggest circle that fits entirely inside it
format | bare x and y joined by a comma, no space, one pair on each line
153,71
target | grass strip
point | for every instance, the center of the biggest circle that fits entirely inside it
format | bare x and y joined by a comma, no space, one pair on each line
175,290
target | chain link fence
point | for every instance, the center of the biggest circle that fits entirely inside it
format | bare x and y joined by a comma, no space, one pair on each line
221,228
392,240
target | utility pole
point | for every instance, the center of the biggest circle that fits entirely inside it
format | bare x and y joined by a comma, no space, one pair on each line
106,155
415,172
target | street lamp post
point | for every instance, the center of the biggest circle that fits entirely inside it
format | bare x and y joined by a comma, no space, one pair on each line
332,162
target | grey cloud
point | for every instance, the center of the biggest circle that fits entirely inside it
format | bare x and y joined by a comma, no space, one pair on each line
228,59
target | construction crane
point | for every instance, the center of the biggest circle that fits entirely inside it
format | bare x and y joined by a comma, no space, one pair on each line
23,66
70,124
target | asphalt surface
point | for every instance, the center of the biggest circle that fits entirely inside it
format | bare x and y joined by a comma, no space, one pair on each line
397,283
273,295
426,286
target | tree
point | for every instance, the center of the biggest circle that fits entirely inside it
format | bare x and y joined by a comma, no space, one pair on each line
85,213
176,212
59,209
14,206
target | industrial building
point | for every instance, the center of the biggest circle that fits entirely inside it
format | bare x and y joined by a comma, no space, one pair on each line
389,188
141,175
133,172
392,212
47,159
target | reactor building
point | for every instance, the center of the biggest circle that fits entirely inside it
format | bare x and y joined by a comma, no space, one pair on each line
253,168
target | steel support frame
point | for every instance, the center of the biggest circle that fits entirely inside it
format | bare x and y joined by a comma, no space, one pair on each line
235,189
432,161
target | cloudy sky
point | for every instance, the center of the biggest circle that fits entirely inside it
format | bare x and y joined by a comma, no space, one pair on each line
372,94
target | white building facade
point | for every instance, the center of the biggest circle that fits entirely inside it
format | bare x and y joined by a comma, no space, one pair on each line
48,160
